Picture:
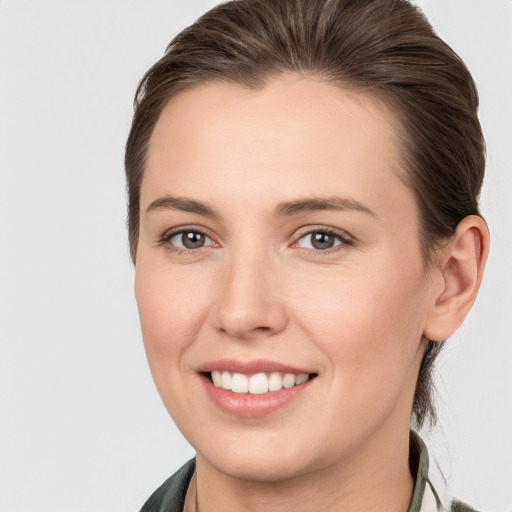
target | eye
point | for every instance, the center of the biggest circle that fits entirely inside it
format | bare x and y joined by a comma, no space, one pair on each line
188,240
321,240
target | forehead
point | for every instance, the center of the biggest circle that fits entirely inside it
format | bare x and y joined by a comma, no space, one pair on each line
291,102
295,135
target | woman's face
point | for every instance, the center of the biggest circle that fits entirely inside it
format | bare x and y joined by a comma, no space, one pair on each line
277,241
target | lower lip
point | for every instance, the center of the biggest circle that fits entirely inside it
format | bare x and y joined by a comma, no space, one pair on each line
253,406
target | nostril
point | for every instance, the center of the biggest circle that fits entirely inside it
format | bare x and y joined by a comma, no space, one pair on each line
262,329
246,332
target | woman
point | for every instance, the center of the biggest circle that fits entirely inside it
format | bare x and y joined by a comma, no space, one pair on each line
303,215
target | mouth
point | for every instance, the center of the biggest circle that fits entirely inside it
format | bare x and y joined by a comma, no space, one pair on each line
254,389
257,383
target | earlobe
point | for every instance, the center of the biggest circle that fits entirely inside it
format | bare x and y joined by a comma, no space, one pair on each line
461,265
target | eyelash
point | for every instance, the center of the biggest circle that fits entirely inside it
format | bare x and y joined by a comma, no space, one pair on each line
165,240
343,238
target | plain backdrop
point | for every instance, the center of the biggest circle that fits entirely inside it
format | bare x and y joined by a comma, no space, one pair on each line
82,428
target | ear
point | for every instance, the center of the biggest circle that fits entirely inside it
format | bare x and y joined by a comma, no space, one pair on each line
460,266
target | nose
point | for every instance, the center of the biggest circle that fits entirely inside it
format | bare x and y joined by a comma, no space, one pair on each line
249,300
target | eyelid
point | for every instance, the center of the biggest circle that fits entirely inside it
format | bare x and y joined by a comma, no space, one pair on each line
342,235
345,238
166,237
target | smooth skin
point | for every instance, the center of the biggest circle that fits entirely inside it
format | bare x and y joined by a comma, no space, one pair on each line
260,171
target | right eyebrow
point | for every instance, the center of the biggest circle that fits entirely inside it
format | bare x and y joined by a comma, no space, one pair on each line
183,204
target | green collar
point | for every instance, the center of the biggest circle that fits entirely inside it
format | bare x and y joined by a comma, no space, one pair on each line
418,462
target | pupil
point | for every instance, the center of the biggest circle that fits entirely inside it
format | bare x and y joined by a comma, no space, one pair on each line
192,239
322,240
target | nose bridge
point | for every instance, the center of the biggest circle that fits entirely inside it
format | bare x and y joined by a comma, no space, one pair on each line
249,303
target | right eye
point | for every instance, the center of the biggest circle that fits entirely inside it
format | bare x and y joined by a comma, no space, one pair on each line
187,240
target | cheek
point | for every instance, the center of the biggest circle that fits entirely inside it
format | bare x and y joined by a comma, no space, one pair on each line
169,311
368,322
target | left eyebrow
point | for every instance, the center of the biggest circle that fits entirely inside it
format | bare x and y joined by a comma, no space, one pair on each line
314,204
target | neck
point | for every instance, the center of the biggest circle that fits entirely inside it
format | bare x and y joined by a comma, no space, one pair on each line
375,478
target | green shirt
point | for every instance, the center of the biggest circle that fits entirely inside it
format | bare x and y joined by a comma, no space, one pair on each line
170,496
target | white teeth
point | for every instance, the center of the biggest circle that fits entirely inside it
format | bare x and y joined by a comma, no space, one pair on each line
300,379
257,384
217,378
240,383
226,380
289,381
275,382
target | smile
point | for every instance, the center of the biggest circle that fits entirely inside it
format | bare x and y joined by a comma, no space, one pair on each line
258,383
254,389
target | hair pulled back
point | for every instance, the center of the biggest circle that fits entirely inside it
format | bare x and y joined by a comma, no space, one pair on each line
383,48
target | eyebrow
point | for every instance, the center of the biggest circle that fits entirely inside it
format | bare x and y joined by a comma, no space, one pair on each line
321,203
285,209
184,204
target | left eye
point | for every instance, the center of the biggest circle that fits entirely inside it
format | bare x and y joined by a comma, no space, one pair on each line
320,240
190,240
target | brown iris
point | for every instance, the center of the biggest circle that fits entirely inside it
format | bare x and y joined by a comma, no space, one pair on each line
322,240
192,239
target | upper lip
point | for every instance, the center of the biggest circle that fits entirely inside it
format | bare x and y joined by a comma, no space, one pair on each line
251,367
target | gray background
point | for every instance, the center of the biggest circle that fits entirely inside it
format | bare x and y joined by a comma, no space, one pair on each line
81,425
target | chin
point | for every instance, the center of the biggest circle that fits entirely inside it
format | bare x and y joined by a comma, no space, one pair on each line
259,455
258,465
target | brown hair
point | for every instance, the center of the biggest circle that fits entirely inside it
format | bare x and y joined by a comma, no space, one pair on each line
385,48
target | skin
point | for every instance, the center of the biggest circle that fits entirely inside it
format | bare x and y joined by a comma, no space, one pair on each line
355,314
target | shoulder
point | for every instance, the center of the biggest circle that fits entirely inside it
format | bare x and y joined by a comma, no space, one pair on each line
170,496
